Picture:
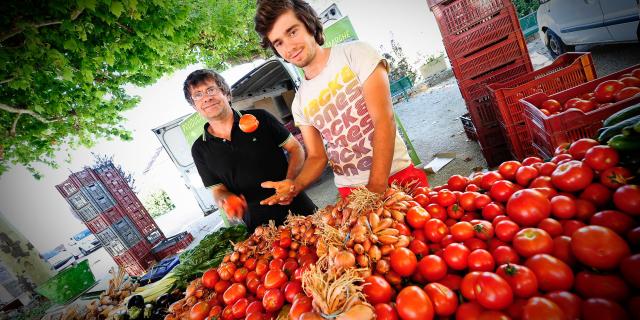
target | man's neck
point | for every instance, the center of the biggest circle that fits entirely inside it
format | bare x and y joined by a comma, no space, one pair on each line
221,126
318,63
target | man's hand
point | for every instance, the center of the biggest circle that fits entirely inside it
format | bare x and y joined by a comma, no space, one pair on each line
376,188
234,206
285,192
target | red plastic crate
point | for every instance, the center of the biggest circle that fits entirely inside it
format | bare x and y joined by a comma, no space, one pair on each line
97,224
432,3
519,141
491,58
567,71
490,137
496,155
133,264
458,16
476,87
483,35
172,245
548,132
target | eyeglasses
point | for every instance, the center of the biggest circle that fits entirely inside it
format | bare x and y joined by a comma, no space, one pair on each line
211,91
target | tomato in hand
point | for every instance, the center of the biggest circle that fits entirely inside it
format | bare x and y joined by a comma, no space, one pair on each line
599,247
248,123
413,303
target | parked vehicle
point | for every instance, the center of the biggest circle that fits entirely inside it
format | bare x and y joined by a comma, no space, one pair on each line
563,24
160,270
61,259
83,243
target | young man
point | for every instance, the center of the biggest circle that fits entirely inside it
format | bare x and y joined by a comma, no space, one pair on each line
344,101
234,163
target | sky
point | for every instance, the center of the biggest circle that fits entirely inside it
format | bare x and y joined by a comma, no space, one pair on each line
38,211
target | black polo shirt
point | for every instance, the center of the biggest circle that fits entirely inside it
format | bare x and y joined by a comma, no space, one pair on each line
244,162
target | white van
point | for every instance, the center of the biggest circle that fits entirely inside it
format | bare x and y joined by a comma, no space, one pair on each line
84,243
563,24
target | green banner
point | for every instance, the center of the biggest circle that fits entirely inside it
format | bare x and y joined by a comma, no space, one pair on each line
339,32
405,137
192,127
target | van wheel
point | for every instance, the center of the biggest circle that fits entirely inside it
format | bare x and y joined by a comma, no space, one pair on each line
555,45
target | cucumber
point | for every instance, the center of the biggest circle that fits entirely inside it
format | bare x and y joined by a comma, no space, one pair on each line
621,115
636,127
628,131
617,128
623,143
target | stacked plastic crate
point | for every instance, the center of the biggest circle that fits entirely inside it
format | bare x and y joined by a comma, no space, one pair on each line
485,45
107,218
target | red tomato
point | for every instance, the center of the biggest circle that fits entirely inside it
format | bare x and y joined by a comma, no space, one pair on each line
521,279
601,157
571,226
483,229
291,289
602,309
630,268
233,293
480,201
232,205
300,306
530,160
492,292
221,286
468,285
552,274
377,290
417,216
454,211
541,182
597,193
546,169
457,182
562,250
273,300
469,310
462,231
592,285
413,303
627,199
421,199
614,220
528,207
561,148
505,254
551,226
551,105
480,260
445,301
432,268
585,105
239,308
568,302
606,90
626,93
275,278
466,200
508,169
506,229
531,241
579,148
446,198
572,176
502,190
385,311
615,177
437,211
456,255
199,311
418,247
210,278
563,207
403,261
572,103
542,308
489,178
248,123
599,247
435,230
525,174
492,210
584,209
630,81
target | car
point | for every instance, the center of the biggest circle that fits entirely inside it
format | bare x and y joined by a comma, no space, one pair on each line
84,243
61,259
563,24
158,271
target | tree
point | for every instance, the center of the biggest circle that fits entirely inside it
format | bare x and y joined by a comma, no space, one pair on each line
525,7
158,203
398,63
64,64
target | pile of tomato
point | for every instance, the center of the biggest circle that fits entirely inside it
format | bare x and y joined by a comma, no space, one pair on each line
530,240
606,93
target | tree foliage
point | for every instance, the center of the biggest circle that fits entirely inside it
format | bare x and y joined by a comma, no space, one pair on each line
158,203
399,65
64,64
525,7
